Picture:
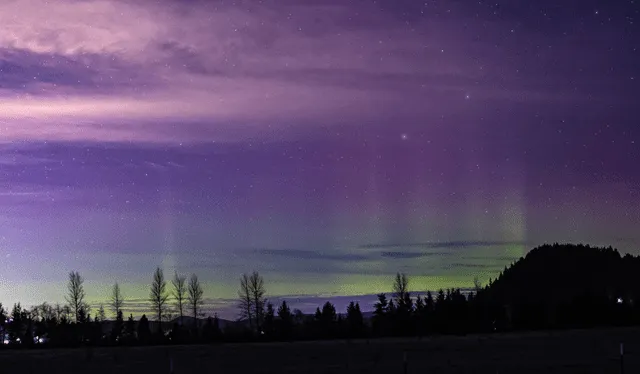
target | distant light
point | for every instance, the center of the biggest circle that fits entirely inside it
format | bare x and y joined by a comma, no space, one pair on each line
619,300
6,341
18,340
40,340
404,136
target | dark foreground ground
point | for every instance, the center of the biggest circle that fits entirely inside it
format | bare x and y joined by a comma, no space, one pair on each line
595,351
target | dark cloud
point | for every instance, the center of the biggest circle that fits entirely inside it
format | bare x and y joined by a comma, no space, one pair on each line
410,255
447,245
310,255
475,266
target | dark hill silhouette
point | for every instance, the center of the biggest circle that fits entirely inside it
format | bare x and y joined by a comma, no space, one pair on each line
565,286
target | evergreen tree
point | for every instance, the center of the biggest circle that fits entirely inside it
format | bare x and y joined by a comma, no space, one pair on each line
130,328
326,320
101,317
81,315
286,321
144,332
16,325
380,315
269,321
116,330
355,320
329,314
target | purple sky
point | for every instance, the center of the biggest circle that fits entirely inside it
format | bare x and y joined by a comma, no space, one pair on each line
327,144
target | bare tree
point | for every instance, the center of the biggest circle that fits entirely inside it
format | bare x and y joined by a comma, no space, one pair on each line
400,285
179,292
194,297
116,301
75,295
258,301
158,295
400,288
245,303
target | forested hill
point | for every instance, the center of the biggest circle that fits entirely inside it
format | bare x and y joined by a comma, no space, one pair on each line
568,285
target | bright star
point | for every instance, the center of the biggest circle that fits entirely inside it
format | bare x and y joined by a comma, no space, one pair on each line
404,136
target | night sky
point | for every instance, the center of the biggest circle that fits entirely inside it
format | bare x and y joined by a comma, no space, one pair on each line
325,143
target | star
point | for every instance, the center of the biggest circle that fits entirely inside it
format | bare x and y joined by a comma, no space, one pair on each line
404,136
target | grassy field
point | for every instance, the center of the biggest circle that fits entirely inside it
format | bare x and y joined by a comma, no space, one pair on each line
595,351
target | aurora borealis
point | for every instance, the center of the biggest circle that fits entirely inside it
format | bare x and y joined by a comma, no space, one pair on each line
325,143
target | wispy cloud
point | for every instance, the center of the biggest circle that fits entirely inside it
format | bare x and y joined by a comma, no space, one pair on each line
312,255
96,70
447,245
410,255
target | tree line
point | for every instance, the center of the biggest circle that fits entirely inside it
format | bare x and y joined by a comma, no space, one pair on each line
553,287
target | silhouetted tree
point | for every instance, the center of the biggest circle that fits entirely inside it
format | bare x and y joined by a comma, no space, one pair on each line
130,328
400,290
401,314
116,300
269,321
116,330
101,316
96,331
326,320
144,332
355,320
16,326
81,315
245,302
380,315
158,295
285,320
28,334
195,298
582,287
258,301
179,284
75,295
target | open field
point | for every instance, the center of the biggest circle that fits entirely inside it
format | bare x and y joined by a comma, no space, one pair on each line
595,351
